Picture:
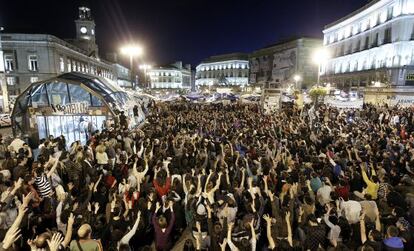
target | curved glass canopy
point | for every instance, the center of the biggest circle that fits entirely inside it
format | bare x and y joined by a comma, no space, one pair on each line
67,89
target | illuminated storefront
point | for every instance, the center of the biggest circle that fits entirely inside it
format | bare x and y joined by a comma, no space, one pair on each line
72,104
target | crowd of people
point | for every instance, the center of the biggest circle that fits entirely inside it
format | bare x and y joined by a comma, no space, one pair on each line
218,177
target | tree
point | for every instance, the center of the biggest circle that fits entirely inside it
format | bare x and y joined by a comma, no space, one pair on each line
317,94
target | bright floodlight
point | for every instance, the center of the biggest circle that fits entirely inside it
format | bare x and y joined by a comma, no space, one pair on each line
131,50
296,78
320,56
145,66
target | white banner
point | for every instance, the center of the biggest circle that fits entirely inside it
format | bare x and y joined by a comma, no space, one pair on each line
402,100
344,104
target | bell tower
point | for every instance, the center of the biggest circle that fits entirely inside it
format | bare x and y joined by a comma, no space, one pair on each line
85,31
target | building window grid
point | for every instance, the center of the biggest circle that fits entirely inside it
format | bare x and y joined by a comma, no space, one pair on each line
373,23
8,63
34,79
388,35
61,64
11,81
33,63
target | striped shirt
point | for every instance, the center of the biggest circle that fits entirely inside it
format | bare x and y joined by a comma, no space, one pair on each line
43,186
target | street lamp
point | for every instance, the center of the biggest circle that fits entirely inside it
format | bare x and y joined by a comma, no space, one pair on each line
145,67
297,78
132,51
320,57
3,84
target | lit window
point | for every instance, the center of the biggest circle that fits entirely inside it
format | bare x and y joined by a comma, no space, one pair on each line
62,64
373,21
33,65
364,25
8,63
34,79
347,31
383,17
355,30
11,80
69,65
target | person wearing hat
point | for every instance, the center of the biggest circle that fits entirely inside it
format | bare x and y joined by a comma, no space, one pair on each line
85,242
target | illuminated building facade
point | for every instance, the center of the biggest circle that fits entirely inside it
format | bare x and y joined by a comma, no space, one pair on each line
277,64
175,76
29,58
372,46
228,69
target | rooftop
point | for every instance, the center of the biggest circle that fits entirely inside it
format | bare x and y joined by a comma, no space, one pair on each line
371,3
226,57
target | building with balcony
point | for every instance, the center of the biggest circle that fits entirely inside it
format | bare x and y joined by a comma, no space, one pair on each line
228,70
277,64
28,58
371,47
174,76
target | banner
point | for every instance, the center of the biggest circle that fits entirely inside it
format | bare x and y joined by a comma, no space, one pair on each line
355,104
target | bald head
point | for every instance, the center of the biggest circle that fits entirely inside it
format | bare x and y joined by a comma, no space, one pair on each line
84,231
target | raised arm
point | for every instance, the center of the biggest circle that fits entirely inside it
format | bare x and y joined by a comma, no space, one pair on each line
362,226
52,170
377,220
95,187
229,240
243,178
127,237
253,233
270,239
69,231
289,228
17,185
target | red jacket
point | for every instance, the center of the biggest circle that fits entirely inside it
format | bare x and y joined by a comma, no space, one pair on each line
162,190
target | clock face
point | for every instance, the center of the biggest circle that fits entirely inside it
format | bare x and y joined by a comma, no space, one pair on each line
83,30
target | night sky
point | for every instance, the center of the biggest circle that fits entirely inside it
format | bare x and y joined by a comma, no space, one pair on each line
187,30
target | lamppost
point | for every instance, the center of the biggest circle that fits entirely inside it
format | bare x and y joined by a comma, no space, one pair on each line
146,67
132,51
297,78
3,81
320,57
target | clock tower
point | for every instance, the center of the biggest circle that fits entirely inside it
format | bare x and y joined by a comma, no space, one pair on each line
85,31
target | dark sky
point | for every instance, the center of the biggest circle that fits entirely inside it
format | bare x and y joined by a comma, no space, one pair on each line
187,30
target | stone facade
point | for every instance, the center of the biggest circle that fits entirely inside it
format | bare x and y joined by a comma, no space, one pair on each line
28,58
279,63
175,76
33,57
228,69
